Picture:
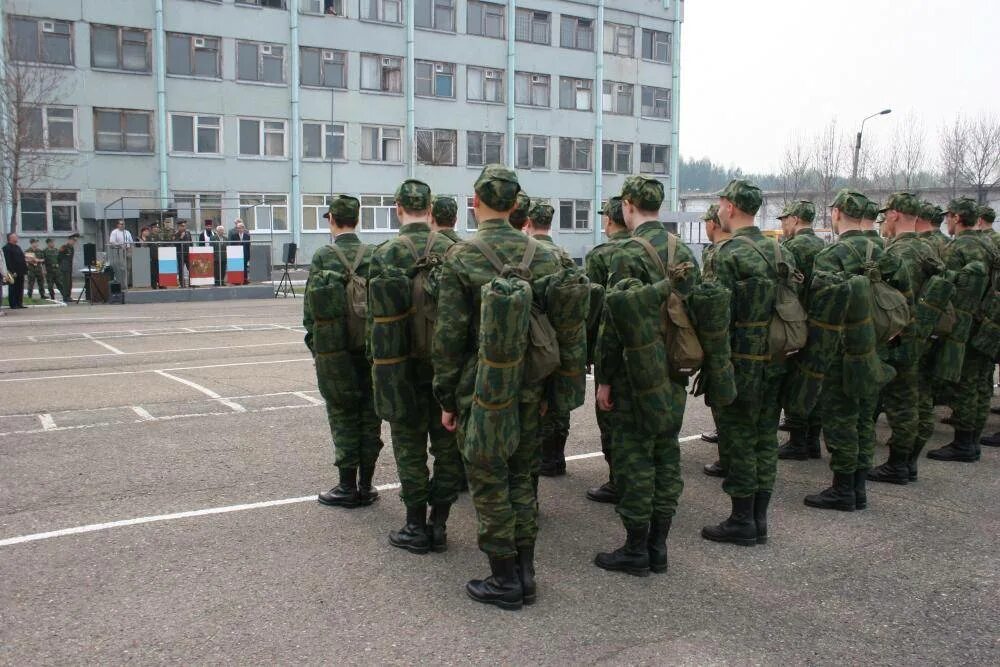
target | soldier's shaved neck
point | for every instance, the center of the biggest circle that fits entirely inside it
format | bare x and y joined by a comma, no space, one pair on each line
842,223
639,217
407,217
923,225
484,212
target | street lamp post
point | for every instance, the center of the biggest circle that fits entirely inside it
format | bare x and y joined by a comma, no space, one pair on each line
857,146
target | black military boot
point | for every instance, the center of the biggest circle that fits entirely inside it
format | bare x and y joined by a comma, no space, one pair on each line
995,410
413,536
367,492
711,436
894,471
526,570
740,528
437,529
796,448
605,493
839,496
632,557
812,442
860,488
914,458
344,494
990,440
761,500
52,294
502,588
553,457
659,527
961,449
714,469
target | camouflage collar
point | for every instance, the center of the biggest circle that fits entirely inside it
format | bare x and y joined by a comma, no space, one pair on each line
543,237
495,223
751,230
413,227
907,235
852,232
965,231
804,231
346,236
648,226
616,236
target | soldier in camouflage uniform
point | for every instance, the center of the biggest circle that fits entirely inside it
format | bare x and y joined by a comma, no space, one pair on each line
971,401
901,397
868,221
929,228
418,488
51,256
500,470
803,244
748,439
986,217
444,213
36,268
519,214
647,464
716,235
355,428
597,266
555,425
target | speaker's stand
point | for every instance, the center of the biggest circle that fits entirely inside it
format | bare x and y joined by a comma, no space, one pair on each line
285,285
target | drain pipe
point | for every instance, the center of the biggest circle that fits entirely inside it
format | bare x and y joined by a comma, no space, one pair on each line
675,108
411,129
295,207
7,197
159,62
511,64
598,99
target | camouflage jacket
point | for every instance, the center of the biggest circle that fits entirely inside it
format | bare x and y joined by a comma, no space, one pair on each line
938,242
450,234
917,260
875,236
65,256
325,259
51,256
804,245
734,261
34,268
631,260
597,264
969,246
456,336
848,254
560,252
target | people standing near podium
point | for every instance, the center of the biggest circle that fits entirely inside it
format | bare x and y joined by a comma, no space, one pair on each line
66,253
207,234
242,236
219,253
17,266
183,238
121,242
51,257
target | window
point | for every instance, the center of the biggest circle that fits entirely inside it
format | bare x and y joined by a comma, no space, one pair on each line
262,138
618,97
273,4
195,134
574,154
328,7
576,33
123,131
532,26
192,55
484,85
655,102
575,93
486,19
323,141
51,128
654,159
616,157
437,147
619,39
313,208
196,207
37,40
264,213
656,46
383,73
435,79
378,213
260,62
483,148
574,214
381,144
322,67
45,212
434,14
113,47
531,89
383,11
470,214
532,151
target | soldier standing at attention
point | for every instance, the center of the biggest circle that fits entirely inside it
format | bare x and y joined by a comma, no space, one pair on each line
597,266
748,428
868,220
444,213
519,215
51,256
937,239
986,217
354,426
555,426
418,488
647,465
716,235
803,244
36,268
65,257
500,477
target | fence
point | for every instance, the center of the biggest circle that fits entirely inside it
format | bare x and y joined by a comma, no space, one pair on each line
189,264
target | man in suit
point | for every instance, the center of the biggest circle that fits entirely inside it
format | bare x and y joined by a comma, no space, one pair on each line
242,236
17,265
183,239
120,244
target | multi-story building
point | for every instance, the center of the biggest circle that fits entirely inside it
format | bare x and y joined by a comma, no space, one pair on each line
259,109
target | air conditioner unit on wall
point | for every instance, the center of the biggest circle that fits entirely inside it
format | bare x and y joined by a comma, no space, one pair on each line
48,26
491,74
536,78
386,62
328,56
199,42
265,49
439,68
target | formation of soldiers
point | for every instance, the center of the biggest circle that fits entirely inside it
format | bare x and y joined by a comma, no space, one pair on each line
444,338
51,268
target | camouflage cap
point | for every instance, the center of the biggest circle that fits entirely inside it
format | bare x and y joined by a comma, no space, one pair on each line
413,195
904,202
497,187
932,213
613,209
743,194
803,209
519,214
871,210
987,214
965,208
541,213
444,210
851,203
712,214
344,207
645,192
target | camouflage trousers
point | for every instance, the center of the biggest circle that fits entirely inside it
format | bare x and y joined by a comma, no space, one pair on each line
34,276
605,426
554,431
51,280
502,483
797,421
748,437
647,466
355,427
971,405
900,398
847,422
409,446
926,386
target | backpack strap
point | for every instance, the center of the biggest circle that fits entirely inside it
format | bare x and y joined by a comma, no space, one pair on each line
488,252
410,245
671,249
760,252
352,267
529,255
653,254
868,251
431,240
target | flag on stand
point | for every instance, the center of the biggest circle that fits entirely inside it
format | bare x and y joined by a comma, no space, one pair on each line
167,265
200,259
234,264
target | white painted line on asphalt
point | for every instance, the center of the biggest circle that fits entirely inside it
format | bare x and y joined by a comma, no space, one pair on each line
48,423
180,368
143,413
179,349
590,455
236,407
112,348
306,397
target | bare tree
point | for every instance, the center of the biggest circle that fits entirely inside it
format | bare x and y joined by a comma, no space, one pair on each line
909,147
829,159
26,135
796,164
953,140
981,167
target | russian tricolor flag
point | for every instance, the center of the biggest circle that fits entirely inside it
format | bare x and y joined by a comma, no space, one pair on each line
167,264
234,264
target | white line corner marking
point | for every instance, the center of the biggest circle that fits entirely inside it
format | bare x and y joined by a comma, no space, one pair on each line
106,346
234,406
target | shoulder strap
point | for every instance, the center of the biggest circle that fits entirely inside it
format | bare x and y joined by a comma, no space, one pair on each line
360,257
759,251
653,255
353,266
671,249
777,251
529,255
431,240
408,242
488,252
869,251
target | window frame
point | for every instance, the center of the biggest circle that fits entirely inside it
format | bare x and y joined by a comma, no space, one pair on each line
315,212
321,54
575,86
435,140
499,77
195,126
652,169
381,143
493,137
381,5
615,147
578,143
40,32
434,64
45,126
435,5
471,224
617,96
668,112
49,220
532,145
576,20
382,71
120,50
327,130
484,8
193,50
577,209
652,46
616,34
387,203
258,4
248,212
259,46
199,209
123,125
531,85
262,132
326,4
532,16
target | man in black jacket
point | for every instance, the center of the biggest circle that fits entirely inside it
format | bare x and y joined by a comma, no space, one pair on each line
17,265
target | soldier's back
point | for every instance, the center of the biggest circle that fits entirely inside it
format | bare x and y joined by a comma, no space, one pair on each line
804,247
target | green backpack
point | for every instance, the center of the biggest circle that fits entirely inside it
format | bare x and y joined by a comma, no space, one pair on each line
357,298
890,310
423,279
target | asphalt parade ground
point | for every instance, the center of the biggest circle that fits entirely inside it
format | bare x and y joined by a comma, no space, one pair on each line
158,472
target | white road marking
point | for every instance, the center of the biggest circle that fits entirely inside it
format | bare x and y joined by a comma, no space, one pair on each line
180,368
48,423
236,407
590,455
306,397
179,349
143,413
112,348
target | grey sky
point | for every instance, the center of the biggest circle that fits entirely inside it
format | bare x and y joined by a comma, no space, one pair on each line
753,74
